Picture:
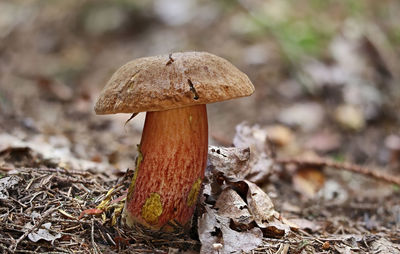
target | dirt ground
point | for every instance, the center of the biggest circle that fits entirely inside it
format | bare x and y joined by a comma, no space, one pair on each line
327,96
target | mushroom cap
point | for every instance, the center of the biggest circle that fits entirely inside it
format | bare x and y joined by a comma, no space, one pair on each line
172,81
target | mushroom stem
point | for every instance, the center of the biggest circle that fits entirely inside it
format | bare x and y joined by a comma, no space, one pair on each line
169,169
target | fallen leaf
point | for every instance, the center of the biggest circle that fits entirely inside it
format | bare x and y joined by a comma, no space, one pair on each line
350,117
54,151
255,138
6,184
307,116
42,233
392,143
333,192
280,135
239,242
230,205
324,141
264,214
310,226
208,227
289,207
382,245
343,249
308,181
276,229
260,205
19,156
217,237
231,161
93,211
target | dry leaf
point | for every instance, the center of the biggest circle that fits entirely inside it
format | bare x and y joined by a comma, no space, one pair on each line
276,229
260,205
55,151
334,192
217,237
384,246
280,135
264,214
308,181
255,137
207,229
350,117
324,141
42,233
231,161
6,184
230,205
310,226
239,242
308,116
93,211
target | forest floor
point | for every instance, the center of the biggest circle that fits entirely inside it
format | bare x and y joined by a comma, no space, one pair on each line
322,126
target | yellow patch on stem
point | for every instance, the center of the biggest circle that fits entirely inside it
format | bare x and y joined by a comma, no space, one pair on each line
152,209
194,192
139,160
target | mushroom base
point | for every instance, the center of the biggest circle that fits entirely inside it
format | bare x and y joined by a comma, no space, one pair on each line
169,169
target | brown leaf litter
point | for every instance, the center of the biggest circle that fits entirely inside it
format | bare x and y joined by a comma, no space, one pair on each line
45,208
41,210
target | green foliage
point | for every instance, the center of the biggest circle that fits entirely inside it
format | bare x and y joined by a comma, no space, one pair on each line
339,157
303,27
299,38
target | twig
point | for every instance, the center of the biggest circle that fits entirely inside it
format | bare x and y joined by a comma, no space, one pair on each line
92,237
346,166
13,247
58,170
110,239
171,60
3,247
130,118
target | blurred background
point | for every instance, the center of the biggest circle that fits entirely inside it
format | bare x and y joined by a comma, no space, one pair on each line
326,73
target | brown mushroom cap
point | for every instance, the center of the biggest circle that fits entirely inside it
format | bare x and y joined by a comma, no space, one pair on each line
172,81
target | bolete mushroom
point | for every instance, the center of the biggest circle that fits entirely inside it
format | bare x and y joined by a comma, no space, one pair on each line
174,90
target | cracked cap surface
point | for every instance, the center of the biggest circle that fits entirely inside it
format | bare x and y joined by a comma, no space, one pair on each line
172,81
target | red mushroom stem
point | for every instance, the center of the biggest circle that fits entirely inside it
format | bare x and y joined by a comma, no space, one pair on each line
169,169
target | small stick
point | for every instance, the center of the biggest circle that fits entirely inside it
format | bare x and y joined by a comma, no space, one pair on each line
346,166
170,61
193,90
132,116
57,170
92,237
13,247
